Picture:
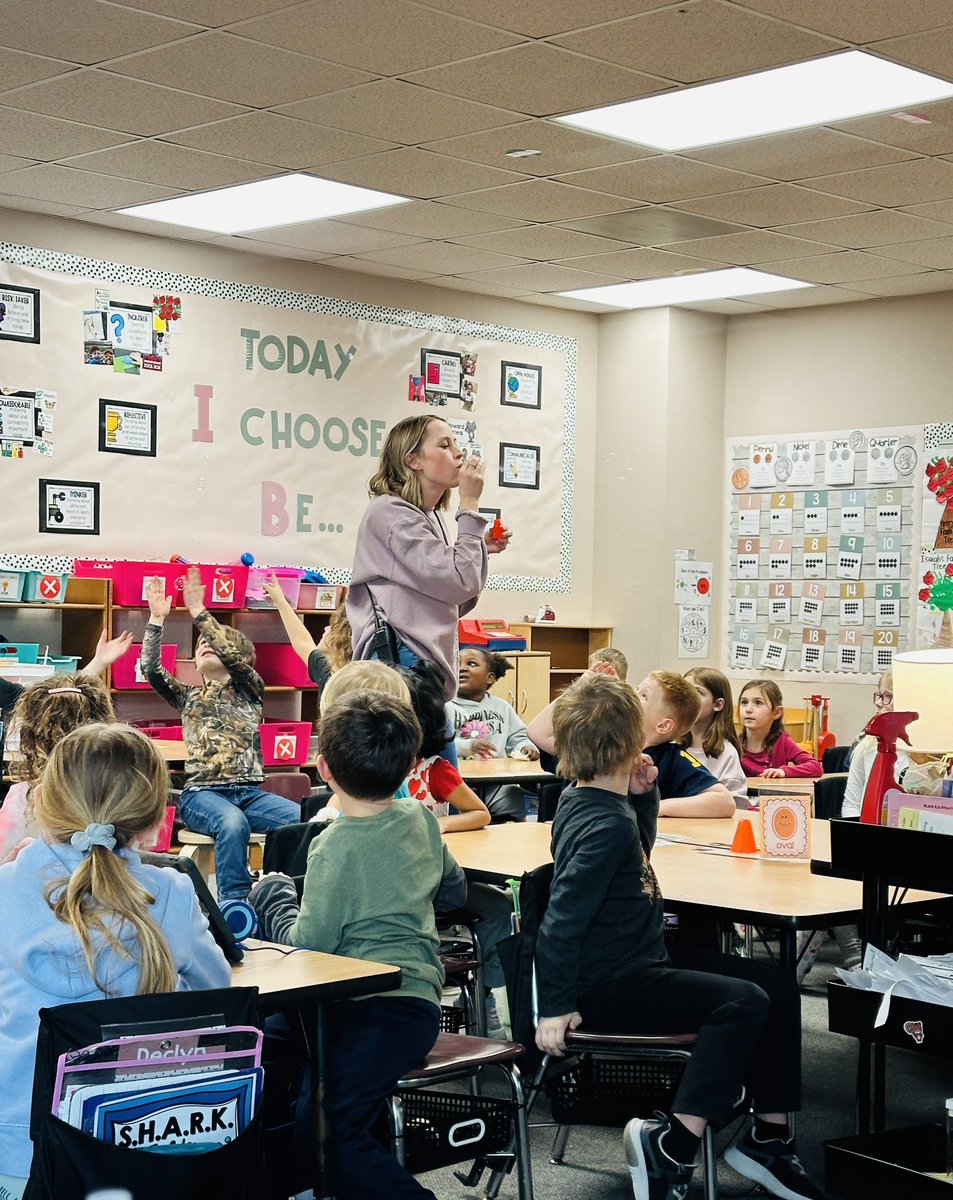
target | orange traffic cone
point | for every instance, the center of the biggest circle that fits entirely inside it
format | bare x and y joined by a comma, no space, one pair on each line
744,842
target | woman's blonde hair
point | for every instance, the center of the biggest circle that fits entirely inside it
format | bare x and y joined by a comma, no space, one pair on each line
110,775
338,640
50,709
369,674
393,477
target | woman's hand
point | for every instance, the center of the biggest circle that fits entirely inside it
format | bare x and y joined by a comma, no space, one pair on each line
496,545
773,773
551,1033
472,473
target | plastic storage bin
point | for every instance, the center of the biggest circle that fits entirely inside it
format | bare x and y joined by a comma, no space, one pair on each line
225,584
285,743
11,586
126,670
280,666
21,652
130,579
43,588
289,580
62,664
168,731
320,597
164,834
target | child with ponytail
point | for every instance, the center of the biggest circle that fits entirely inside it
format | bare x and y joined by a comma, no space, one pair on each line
84,919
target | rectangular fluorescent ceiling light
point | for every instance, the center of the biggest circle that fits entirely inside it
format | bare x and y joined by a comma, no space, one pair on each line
798,96
265,204
681,289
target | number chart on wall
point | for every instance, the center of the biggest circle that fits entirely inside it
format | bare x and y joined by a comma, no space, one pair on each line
820,550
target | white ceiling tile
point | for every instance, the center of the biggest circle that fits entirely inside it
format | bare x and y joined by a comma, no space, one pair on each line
653,226
232,68
49,138
933,137
9,163
329,237
457,284
540,80
542,18
698,40
81,188
543,242
936,210
412,172
726,308
879,228
367,267
127,104
170,165
213,13
908,285
265,137
32,204
539,200
811,297
916,181
800,154
562,149
661,179
775,204
543,277
857,20
387,37
430,219
927,51
17,69
554,300
84,31
935,253
116,220
401,113
444,258
844,266
754,246
641,263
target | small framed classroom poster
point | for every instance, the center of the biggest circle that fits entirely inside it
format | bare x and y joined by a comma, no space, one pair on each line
19,314
442,371
519,466
129,327
69,506
126,428
521,385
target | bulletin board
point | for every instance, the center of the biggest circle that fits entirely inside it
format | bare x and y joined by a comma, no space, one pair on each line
210,419
822,548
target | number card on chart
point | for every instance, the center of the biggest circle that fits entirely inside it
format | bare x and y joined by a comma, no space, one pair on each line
851,604
779,557
853,512
849,645
887,605
813,596
749,515
815,512
782,513
779,603
850,557
775,651
813,644
886,644
815,557
742,646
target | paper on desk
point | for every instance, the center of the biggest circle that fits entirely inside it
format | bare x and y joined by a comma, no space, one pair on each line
929,979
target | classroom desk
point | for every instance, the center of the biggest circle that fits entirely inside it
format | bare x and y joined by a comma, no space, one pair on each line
304,979
756,891
503,770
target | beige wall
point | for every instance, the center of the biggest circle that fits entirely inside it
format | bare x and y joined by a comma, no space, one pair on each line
195,258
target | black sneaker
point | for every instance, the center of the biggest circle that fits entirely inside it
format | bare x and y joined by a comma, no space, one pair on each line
655,1176
775,1165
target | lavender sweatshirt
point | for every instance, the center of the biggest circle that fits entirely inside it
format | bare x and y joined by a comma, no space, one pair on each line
421,584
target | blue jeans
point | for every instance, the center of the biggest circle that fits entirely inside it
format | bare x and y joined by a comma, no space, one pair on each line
228,814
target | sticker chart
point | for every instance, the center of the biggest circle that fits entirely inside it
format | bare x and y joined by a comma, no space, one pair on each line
821,550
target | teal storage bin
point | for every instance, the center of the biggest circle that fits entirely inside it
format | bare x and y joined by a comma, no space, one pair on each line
44,587
21,652
63,664
11,586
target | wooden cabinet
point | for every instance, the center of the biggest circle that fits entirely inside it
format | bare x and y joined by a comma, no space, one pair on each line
69,628
568,647
526,684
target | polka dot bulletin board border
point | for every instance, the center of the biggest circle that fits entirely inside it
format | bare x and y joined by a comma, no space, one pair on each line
122,273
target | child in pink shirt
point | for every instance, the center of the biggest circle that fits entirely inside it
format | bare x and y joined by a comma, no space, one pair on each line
768,750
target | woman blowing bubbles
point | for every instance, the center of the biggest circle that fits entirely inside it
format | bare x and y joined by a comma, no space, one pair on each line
420,580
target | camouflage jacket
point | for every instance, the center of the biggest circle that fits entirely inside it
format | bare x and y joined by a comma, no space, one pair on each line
219,719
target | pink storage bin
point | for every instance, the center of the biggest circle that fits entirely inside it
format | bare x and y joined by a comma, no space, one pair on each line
279,665
289,580
285,743
225,584
323,597
126,673
164,833
166,731
130,579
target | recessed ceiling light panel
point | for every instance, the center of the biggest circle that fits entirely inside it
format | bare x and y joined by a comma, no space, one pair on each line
681,289
797,96
265,204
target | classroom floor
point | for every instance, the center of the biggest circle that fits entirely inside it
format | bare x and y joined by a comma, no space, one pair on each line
595,1167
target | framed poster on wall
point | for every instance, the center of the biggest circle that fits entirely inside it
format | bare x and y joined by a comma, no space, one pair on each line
69,506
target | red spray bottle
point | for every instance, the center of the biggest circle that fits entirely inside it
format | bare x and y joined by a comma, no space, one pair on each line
886,728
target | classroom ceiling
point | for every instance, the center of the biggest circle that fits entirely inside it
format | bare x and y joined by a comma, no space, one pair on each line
106,104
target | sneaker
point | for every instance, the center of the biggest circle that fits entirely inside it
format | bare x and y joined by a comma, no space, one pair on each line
774,1165
655,1176
494,1026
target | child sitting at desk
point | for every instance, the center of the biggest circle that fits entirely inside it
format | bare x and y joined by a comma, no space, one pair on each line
767,749
601,964
223,796
486,726
84,919
712,738
368,893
